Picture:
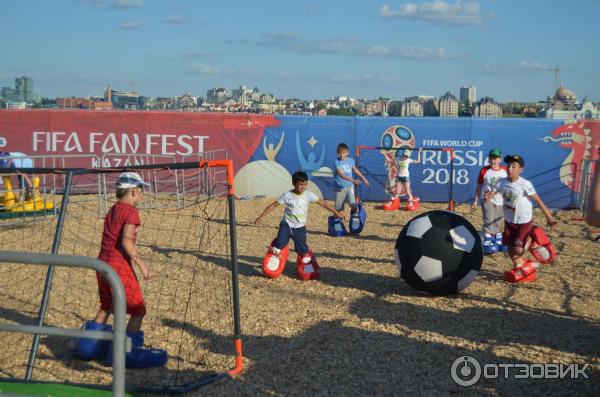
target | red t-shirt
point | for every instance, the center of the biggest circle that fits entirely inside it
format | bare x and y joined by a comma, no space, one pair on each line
120,214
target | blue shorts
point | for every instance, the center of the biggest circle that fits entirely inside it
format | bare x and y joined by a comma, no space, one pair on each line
297,234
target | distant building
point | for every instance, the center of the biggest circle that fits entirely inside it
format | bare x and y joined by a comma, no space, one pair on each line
448,105
217,95
563,105
82,103
128,100
487,107
468,94
22,92
412,107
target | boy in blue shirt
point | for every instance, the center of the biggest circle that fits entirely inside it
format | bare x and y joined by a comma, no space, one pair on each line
344,180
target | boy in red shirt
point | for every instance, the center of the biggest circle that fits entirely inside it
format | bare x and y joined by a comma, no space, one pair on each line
491,210
118,249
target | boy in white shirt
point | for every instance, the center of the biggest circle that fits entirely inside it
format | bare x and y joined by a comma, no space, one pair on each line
295,215
517,193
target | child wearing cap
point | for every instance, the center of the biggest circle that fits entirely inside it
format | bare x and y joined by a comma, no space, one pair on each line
118,249
517,193
403,176
491,210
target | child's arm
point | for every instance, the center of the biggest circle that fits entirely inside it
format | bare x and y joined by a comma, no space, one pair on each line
131,250
343,176
418,160
269,208
360,175
328,206
477,194
549,218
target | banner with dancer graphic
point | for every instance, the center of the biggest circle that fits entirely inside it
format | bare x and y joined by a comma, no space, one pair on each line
267,149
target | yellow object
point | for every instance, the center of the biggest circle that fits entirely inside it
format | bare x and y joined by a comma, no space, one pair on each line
36,203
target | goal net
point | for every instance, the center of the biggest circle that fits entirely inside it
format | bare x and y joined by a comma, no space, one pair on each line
431,180
187,239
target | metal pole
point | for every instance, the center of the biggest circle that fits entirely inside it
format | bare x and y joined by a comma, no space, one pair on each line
234,280
49,275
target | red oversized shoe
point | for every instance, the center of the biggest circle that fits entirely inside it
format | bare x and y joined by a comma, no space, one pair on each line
307,267
274,262
412,205
392,205
523,274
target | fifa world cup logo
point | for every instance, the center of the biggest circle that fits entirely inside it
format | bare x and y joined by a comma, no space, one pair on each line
394,138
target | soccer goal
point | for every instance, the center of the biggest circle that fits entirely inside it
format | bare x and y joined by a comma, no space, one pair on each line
188,240
431,180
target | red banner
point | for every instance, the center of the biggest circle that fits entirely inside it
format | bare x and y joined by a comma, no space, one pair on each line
112,135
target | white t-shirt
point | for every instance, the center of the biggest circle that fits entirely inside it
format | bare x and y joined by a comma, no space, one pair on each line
296,207
403,166
488,178
517,205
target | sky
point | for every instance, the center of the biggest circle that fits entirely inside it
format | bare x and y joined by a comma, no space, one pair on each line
303,49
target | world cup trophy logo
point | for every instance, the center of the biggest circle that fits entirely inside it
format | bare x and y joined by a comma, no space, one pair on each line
394,139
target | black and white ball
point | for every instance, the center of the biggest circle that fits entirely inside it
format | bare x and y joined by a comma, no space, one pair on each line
439,252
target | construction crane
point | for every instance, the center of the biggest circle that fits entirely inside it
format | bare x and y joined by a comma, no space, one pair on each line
132,85
556,71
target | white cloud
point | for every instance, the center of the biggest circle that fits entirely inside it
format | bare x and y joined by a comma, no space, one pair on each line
293,42
174,19
437,12
126,4
132,25
523,67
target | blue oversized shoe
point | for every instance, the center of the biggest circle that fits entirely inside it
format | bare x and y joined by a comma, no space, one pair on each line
335,227
89,349
489,244
357,220
139,356
501,248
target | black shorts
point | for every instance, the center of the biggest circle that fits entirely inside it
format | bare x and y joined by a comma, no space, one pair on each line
402,179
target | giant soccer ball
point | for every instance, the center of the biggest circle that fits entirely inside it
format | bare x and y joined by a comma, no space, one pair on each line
439,252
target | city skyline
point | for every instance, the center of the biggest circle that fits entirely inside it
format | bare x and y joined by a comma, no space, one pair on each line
303,50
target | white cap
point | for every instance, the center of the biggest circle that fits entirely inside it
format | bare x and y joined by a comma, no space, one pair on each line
128,180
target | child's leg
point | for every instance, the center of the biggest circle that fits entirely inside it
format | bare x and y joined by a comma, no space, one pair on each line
351,199
135,324
408,192
283,235
299,237
340,198
102,316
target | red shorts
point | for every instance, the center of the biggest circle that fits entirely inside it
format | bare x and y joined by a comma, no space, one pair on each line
133,292
516,234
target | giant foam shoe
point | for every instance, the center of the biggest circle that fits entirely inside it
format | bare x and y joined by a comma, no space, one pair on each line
501,247
540,247
274,261
522,274
357,220
412,205
392,205
307,267
489,244
88,348
335,227
139,356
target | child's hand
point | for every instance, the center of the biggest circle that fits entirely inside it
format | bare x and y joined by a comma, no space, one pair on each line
356,182
145,272
551,222
366,182
474,206
340,215
488,195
